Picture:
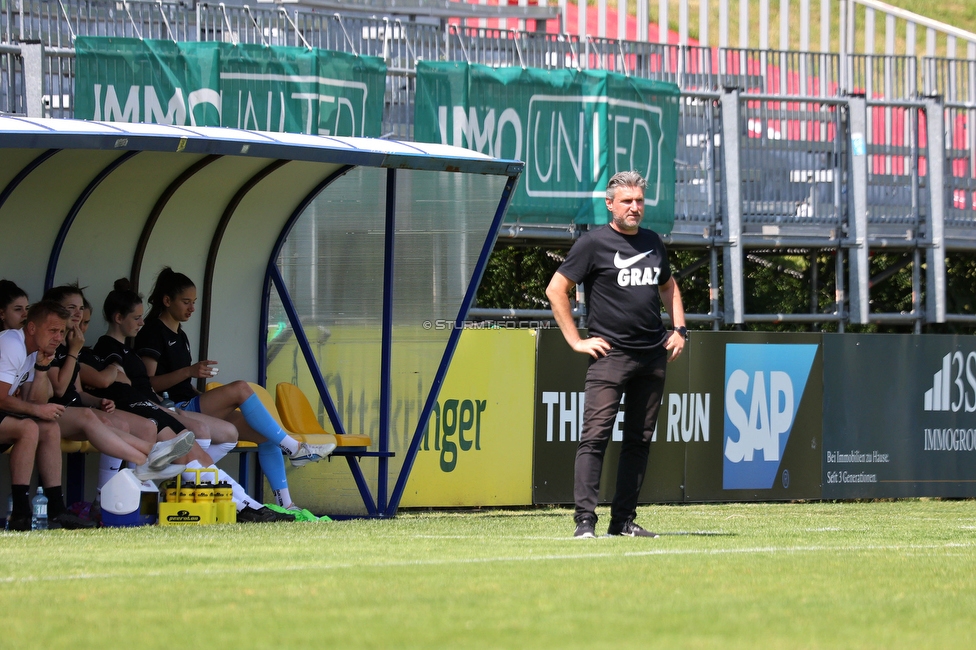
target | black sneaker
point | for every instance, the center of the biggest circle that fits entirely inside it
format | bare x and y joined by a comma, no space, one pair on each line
283,516
20,523
630,529
585,529
70,521
260,515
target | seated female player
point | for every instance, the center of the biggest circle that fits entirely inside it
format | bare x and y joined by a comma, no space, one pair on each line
13,306
165,351
123,310
77,422
135,432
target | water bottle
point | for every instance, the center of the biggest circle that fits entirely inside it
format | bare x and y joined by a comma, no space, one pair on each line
39,510
10,511
167,403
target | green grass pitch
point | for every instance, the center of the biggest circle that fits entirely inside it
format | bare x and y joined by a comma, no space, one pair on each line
831,575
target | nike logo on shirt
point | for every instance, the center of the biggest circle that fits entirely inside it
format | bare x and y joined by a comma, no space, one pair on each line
622,263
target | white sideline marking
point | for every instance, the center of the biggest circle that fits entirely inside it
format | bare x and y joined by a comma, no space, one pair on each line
758,550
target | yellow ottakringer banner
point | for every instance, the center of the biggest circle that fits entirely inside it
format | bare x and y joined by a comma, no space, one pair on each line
477,448
479,440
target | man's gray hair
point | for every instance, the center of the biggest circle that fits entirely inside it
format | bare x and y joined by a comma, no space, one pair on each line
625,179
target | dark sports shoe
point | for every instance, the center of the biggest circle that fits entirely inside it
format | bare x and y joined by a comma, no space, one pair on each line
629,529
261,515
585,529
282,516
70,521
20,523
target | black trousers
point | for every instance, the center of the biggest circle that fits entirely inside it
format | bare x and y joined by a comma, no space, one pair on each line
639,374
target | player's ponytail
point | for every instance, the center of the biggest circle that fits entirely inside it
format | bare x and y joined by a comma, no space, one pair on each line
121,300
169,284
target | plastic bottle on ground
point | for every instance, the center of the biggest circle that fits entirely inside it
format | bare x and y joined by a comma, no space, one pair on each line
39,510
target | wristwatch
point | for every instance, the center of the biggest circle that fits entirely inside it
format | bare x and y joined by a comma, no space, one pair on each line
41,368
683,331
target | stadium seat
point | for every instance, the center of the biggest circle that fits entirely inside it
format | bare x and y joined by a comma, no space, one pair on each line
77,447
297,415
317,436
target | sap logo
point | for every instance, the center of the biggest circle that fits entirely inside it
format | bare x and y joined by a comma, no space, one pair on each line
763,388
942,397
454,417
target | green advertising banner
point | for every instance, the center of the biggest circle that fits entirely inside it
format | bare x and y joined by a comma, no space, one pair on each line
278,89
573,128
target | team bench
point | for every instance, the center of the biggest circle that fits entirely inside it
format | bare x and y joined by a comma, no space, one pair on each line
291,409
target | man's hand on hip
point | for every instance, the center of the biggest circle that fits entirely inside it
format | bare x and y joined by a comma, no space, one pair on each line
593,346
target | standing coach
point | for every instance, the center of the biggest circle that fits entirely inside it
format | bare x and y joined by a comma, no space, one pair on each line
625,274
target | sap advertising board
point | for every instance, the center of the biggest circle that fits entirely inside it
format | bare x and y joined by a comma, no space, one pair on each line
763,386
740,419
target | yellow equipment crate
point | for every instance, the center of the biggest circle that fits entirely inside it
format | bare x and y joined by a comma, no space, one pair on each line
193,513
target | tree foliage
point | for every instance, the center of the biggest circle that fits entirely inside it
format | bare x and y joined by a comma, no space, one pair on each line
776,282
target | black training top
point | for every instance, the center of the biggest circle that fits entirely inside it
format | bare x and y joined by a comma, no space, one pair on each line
171,350
621,275
89,358
71,396
112,351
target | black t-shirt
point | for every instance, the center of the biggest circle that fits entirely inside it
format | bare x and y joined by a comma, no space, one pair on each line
621,275
71,396
171,350
112,351
89,358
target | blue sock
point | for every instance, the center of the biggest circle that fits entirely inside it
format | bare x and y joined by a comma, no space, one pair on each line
260,420
272,464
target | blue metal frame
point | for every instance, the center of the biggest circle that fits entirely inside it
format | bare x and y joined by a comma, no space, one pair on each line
24,173
452,342
382,507
386,345
313,367
273,278
52,263
266,290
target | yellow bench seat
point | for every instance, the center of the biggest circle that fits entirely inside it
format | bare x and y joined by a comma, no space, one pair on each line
297,415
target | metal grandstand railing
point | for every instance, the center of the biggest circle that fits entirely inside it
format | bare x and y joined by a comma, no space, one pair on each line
883,76
780,72
500,48
793,166
895,176
698,165
11,80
